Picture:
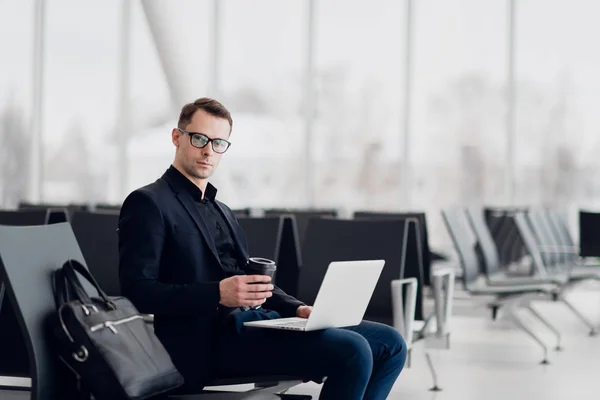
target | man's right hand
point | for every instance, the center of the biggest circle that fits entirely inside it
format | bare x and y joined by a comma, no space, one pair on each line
245,290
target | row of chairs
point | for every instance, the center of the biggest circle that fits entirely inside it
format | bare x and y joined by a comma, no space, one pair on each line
400,238
388,239
555,267
276,236
302,217
511,248
506,237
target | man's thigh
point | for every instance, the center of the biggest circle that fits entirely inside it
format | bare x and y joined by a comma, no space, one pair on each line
383,340
257,351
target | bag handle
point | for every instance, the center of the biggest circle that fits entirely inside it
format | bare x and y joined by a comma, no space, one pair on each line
69,268
58,285
63,290
74,284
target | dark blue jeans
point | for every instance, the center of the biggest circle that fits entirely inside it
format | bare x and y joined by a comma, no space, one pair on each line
360,362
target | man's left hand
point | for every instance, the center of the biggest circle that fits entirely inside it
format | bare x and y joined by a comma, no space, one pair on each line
303,311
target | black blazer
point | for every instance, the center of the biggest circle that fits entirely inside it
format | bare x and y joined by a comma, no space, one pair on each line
169,267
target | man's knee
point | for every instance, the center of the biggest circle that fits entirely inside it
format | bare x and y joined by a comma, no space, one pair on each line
351,351
397,348
388,344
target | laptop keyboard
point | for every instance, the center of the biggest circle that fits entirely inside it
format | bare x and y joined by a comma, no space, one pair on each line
294,324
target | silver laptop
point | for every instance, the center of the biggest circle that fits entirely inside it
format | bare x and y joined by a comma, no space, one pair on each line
342,299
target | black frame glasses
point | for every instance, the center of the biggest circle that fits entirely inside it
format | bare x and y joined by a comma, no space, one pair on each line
203,137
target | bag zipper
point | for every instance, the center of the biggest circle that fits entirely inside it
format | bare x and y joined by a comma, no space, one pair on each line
111,324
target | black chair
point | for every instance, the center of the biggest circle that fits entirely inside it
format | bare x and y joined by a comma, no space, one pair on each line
290,258
559,226
393,240
103,207
27,271
24,218
58,215
589,234
242,212
330,240
28,256
13,353
263,236
303,217
67,209
96,234
426,255
275,238
39,206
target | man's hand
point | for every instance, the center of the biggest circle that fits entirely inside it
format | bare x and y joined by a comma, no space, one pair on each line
245,290
303,311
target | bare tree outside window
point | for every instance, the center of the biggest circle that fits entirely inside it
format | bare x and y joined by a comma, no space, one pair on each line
14,156
69,174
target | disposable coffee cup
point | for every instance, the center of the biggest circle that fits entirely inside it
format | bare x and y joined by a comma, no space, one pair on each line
261,266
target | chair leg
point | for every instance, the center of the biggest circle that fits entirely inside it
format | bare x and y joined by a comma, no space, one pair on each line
284,395
543,320
517,320
581,317
264,385
435,387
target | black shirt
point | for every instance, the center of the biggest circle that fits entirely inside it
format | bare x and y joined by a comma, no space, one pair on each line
217,225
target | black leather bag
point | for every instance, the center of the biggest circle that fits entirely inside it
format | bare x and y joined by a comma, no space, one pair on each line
107,343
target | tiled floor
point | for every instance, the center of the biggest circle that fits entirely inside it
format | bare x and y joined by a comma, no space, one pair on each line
493,360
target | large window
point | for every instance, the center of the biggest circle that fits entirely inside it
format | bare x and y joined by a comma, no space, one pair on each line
79,99
359,73
164,75
558,92
16,44
458,106
104,136
261,82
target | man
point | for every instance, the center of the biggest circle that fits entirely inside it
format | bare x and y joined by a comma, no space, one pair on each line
181,258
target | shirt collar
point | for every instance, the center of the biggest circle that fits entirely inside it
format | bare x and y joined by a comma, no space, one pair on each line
190,187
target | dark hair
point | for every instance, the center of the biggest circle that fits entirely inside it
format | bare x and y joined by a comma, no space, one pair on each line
211,106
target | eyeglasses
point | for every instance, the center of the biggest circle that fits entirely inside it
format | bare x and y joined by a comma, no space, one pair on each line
200,140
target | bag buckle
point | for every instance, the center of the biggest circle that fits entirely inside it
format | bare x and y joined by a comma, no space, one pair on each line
87,310
110,326
81,355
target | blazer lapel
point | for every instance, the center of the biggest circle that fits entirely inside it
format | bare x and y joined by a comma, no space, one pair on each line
190,207
188,203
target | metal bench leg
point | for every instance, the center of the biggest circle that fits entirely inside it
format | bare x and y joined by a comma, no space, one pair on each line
435,387
581,317
517,320
548,325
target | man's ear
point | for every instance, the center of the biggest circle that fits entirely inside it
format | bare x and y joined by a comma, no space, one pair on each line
175,135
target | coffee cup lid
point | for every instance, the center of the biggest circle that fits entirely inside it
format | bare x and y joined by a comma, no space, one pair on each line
260,260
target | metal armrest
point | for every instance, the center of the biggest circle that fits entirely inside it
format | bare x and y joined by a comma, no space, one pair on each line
148,318
404,314
555,249
443,279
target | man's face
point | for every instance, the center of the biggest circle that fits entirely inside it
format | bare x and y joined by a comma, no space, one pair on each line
200,163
